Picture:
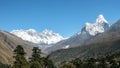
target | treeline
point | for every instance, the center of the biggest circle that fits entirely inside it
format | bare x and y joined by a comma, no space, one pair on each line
37,61
106,62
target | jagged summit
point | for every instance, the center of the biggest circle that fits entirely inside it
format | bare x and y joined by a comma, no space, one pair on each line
101,19
87,32
99,26
44,37
46,31
31,30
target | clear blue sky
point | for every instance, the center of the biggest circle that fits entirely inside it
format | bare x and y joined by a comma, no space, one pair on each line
65,17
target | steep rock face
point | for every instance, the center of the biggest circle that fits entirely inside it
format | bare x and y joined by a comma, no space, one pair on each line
107,43
86,33
8,42
112,34
100,26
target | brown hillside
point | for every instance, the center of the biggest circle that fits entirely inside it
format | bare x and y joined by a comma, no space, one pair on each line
8,42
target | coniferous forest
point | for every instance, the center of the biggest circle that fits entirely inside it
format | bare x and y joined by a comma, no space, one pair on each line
37,61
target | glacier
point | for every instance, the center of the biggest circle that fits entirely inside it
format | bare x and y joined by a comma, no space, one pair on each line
44,37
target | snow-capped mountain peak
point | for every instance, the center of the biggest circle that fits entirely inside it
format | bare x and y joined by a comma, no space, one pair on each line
44,37
99,26
48,32
31,30
101,19
87,32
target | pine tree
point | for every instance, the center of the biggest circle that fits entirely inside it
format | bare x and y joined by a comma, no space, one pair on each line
67,65
47,63
77,62
35,61
20,61
35,64
91,63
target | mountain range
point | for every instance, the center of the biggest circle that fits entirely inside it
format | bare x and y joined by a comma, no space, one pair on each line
99,46
93,40
49,41
42,39
89,31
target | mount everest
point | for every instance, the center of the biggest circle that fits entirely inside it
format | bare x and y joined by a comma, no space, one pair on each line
44,37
